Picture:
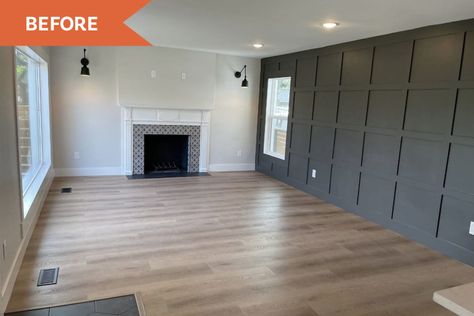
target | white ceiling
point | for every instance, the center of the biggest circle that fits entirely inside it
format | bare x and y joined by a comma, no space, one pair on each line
231,26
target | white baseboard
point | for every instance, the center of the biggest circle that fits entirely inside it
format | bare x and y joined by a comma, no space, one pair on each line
222,167
82,172
116,171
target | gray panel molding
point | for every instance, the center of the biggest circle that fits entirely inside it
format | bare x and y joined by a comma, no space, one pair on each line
433,64
386,109
391,134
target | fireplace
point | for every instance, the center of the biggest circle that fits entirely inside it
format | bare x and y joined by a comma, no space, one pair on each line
138,122
162,149
166,153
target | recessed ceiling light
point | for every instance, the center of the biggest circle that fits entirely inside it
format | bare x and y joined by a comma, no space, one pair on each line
258,45
330,25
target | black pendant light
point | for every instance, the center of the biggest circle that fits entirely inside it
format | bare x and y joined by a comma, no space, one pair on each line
238,74
84,62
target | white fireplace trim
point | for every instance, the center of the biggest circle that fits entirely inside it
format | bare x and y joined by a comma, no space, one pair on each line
152,116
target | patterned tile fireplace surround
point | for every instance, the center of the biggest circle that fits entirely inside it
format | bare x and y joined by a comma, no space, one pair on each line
140,130
138,122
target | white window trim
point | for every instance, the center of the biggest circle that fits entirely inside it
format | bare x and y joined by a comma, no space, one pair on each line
268,122
30,192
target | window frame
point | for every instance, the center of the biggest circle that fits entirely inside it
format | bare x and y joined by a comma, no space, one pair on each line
269,117
31,188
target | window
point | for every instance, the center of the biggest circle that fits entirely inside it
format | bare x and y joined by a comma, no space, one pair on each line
32,102
276,120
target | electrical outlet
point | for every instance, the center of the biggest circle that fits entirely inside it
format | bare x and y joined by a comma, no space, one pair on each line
239,153
471,229
77,155
4,250
153,74
313,173
183,76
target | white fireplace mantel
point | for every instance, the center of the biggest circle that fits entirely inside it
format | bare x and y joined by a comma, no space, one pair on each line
155,116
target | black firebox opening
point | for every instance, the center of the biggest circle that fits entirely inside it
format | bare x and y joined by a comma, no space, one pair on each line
166,153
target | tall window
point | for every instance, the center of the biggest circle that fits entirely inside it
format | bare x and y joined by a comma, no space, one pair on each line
276,121
32,101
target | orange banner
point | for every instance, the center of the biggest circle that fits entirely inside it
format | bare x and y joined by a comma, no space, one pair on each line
69,23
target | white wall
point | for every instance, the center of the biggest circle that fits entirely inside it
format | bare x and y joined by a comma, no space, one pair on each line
234,119
87,115
15,230
136,87
10,208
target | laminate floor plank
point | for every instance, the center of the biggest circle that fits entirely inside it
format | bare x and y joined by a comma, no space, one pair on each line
238,244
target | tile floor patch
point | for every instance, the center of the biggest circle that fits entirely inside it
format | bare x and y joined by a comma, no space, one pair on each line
118,306
114,306
83,309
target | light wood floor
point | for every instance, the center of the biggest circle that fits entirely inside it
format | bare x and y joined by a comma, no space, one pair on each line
229,244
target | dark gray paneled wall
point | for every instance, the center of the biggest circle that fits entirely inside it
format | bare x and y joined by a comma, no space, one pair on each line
388,123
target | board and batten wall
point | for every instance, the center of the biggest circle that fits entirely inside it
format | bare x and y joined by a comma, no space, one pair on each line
388,125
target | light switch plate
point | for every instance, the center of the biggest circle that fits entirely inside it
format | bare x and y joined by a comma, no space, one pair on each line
313,173
471,229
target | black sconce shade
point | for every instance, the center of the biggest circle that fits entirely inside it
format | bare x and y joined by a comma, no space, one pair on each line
84,62
238,74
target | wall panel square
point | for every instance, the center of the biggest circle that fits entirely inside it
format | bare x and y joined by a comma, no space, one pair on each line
323,175
467,73
271,67
392,63
329,70
357,66
437,58
279,170
265,164
303,105
376,195
297,167
322,141
345,183
325,106
429,111
288,67
464,119
300,135
348,146
456,216
460,174
306,72
417,208
423,161
352,108
386,109
381,153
